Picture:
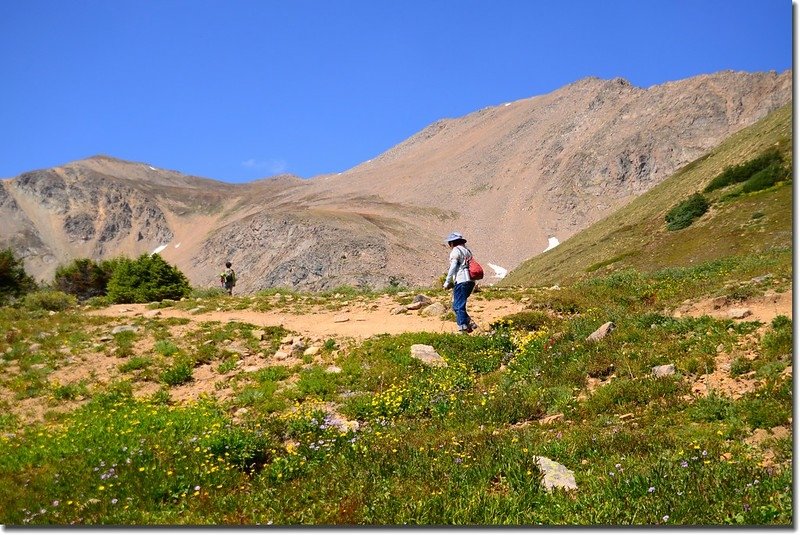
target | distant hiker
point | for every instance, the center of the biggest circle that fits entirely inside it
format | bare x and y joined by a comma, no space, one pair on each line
228,278
459,280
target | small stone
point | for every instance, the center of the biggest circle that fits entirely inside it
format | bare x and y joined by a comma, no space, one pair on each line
739,313
333,369
601,332
258,334
124,328
341,319
398,310
152,314
435,309
424,299
552,418
414,306
311,351
428,355
281,355
664,371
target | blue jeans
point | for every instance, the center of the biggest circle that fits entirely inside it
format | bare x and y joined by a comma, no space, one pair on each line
461,291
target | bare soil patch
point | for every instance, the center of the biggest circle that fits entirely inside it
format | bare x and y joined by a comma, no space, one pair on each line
352,322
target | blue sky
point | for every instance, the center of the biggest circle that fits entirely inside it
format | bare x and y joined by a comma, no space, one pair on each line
238,90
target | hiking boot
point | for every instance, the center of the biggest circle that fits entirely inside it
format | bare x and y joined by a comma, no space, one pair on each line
472,326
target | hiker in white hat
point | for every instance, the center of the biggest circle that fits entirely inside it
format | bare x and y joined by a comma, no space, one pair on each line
459,280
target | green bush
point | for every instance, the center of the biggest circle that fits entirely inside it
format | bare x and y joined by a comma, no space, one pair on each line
14,281
765,178
316,383
52,300
777,342
148,278
684,213
179,373
84,278
741,173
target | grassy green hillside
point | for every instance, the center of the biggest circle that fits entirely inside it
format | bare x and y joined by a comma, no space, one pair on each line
637,237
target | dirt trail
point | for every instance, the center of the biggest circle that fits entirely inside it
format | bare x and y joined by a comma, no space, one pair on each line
357,321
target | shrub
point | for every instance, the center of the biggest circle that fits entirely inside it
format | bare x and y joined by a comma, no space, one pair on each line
14,281
777,342
765,178
52,300
125,341
165,347
684,213
179,373
84,278
743,172
135,363
148,278
316,383
70,391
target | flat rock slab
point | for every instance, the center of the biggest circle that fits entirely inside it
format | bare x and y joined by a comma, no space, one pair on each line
555,475
664,371
428,355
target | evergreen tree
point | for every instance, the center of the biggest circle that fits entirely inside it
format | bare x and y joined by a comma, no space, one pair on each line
14,281
148,278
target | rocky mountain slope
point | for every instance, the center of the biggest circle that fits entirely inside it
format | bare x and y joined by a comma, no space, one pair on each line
507,176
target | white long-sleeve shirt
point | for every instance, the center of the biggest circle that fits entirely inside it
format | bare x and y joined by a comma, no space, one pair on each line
459,268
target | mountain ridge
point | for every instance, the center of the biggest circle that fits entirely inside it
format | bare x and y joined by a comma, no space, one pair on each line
509,177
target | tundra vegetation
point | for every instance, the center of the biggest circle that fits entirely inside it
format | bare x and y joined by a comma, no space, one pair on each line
422,445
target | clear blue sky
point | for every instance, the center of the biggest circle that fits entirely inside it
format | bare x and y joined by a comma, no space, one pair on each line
238,90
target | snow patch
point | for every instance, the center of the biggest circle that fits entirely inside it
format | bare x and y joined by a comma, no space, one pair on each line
499,272
552,242
151,167
159,249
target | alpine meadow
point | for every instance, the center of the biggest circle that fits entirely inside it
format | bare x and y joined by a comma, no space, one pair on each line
638,374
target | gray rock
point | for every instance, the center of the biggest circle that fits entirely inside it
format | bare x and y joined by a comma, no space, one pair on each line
739,313
414,306
258,334
428,355
124,328
601,332
664,370
424,299
398,310
555,475
341,318
311,351
436,309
